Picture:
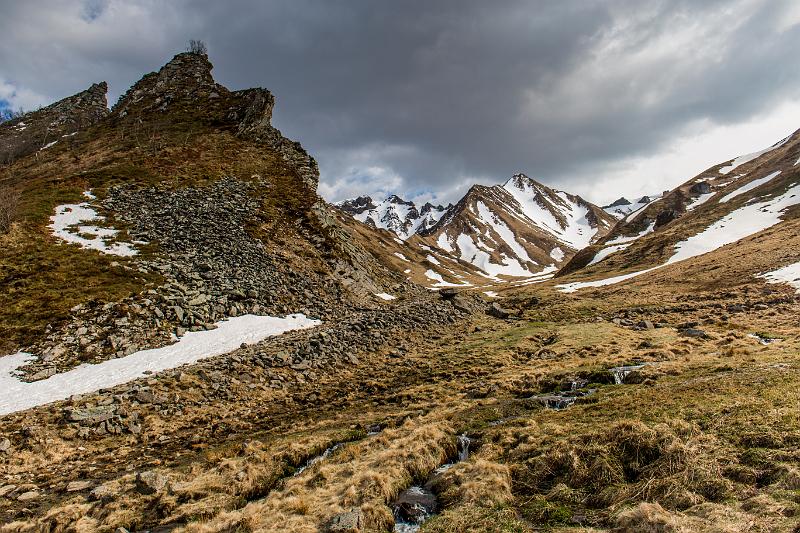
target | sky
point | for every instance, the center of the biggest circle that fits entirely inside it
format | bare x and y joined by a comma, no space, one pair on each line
423,99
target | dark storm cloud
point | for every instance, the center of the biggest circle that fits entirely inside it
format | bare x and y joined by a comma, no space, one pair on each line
420,96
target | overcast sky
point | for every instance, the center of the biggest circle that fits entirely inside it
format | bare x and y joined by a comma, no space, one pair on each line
423,98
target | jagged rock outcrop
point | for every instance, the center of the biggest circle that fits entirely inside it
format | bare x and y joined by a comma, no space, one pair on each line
185,90
44,127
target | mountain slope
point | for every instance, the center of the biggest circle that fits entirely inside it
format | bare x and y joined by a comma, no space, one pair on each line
730,203
182,203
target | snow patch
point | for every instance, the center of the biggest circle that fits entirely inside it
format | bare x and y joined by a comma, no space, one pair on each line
68,225
700,200
440,282
623,240
742,159
432,259
748,187
16,395
444,243
491,294
789,274
385,296
557,254
401,256
605,252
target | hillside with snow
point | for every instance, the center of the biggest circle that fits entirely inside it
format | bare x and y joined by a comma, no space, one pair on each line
724,205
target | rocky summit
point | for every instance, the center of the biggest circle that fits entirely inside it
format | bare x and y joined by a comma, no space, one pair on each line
194,340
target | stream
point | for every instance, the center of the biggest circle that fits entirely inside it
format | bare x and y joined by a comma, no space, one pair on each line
418,503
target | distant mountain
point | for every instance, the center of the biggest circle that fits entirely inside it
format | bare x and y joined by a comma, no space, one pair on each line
519,229
394,214
624,207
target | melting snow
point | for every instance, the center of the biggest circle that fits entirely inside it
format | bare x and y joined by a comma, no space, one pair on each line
67,225
385,296
444,243
622,240
736,225
577,232
741,160
401,256
48,145
504,232
748,187
432,259
700,200
605,252
789,274
440,282
557,254
16,395
491,294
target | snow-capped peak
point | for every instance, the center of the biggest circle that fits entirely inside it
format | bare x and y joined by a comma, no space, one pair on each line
394,214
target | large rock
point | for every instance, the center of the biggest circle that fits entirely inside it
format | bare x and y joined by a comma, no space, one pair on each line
151,482
496,311
351,521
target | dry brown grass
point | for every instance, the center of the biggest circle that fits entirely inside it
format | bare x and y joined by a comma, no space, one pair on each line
367,475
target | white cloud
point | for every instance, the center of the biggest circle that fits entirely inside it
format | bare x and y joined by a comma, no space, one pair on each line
701,146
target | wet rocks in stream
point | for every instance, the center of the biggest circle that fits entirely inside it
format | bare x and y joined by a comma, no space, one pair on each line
418,503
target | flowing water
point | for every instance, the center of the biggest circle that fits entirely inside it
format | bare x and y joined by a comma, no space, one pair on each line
418,503
620,372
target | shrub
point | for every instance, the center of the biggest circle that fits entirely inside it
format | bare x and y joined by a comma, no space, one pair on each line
197,47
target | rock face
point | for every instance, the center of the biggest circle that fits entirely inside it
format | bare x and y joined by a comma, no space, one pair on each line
56,123
186,83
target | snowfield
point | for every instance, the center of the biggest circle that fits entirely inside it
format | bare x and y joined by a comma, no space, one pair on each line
742,159
624,240
576,232
69,225
440,282
605,252
16,395
736,225
748,187
700,200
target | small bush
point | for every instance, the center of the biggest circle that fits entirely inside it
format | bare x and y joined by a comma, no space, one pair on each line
197,47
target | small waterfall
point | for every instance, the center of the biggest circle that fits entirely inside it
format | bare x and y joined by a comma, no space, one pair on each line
314,460
463,447
620,372
418,503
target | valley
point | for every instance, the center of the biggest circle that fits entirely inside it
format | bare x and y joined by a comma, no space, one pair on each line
194,340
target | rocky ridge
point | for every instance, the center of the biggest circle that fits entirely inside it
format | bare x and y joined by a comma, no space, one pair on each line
57,122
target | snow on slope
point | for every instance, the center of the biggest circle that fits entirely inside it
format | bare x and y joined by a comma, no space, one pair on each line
622,210
69,223
16,395
575,230
736,225
742,159
789,274
394,214
748,187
